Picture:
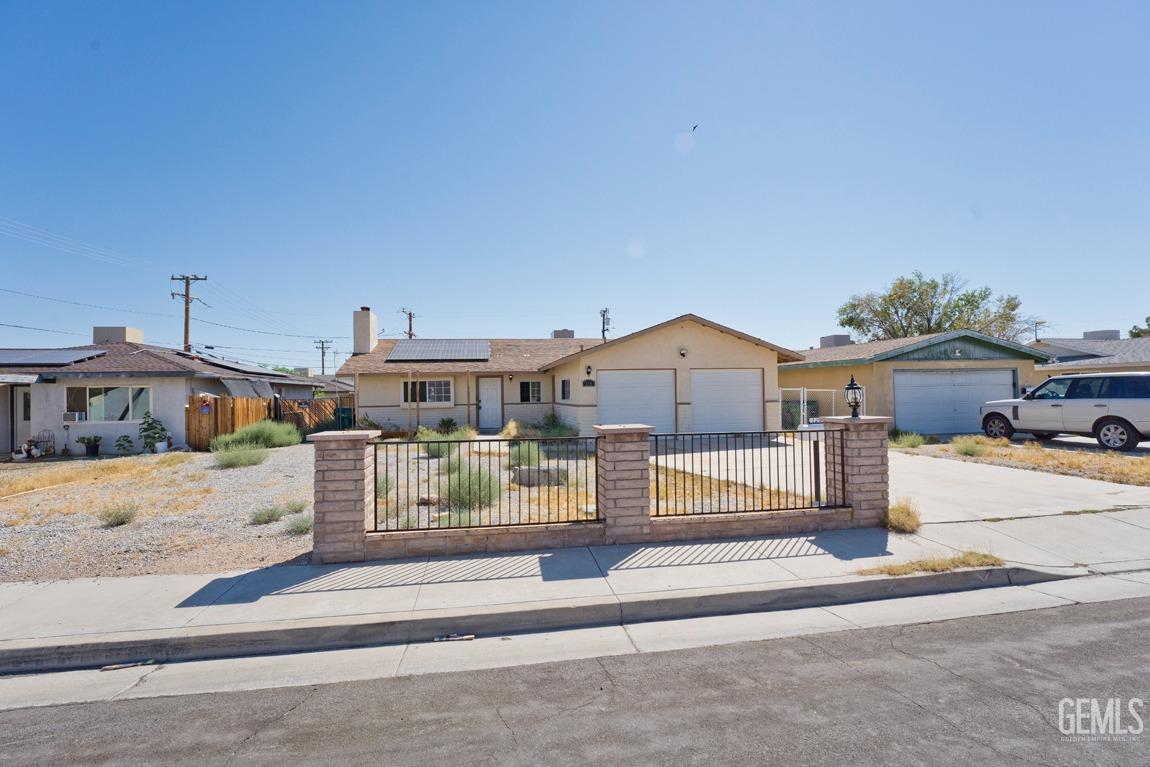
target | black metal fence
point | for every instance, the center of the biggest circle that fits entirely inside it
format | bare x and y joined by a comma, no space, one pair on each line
730,472
442,483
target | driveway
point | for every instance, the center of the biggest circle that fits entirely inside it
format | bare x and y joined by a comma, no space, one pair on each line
951,491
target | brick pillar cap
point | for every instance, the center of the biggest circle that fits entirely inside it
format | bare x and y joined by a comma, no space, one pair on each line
623,428
325,436
862,420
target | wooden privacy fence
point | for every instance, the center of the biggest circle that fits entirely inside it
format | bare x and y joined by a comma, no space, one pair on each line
209,416
308,414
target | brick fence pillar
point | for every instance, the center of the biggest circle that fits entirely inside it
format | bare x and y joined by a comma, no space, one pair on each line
858,475
623,475
344,494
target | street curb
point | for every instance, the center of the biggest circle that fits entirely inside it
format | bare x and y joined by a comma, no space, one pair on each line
374,629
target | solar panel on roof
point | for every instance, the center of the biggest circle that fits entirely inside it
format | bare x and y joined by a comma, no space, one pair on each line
17,357
439,350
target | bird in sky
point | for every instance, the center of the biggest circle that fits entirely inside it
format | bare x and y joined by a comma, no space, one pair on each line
696,125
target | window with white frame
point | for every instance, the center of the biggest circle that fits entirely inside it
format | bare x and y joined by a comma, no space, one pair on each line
108,403
436,391
530,391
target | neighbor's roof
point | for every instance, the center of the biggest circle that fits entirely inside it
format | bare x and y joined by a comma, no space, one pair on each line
876,351
1109,353
508,355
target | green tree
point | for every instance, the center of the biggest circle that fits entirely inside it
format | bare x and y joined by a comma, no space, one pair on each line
1137,332
916,305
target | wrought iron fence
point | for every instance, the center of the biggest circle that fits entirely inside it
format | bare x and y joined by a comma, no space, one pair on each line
434,484
722,472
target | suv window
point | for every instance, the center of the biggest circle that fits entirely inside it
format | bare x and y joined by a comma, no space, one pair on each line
1055,388
1130,387
1089,388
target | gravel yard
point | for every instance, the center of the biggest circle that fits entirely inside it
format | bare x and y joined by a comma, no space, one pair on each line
191,517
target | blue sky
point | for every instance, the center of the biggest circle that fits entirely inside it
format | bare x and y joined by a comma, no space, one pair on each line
508,168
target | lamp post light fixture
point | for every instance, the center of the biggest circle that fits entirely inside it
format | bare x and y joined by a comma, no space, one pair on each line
854,394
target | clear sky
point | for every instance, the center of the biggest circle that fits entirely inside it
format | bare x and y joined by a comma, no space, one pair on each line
508,168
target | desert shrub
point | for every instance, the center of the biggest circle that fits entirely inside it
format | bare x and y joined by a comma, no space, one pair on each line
262,433
124,444
906,439
268,515
471,487
902,517
239,454
382,484
968,446
295,507
438,445
301,525
515,430
115,516
932,439
554,426
447,425
526,454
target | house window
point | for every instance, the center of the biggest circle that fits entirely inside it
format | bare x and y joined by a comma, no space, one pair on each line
428,391
530,391
565,389
109,403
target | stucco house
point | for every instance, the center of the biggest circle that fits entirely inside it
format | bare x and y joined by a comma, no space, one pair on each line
686,374
104,388
930,384
1098,351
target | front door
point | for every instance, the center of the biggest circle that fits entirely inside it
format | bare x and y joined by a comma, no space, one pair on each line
1087,400
1042,412
490,404
22,417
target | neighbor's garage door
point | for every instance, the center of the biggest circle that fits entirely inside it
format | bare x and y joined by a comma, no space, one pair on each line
726,400
637,396
946,401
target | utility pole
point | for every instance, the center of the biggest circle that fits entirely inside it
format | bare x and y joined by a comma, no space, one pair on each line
322,345
187,279
410,317
605,317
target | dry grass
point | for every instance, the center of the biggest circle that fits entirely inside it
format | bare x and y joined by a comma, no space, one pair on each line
95,472
961,561
681,492
902,517
116,516
1092,464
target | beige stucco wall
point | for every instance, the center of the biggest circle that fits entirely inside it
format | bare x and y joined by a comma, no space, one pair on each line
380,397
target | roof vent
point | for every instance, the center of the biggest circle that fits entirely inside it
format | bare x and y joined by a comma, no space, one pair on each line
829,342
1102,335
564,333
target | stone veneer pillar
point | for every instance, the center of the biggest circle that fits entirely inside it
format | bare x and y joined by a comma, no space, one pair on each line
344,494
623,474
858,476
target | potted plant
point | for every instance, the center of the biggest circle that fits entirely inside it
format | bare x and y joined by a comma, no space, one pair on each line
91,444
154,434
124,444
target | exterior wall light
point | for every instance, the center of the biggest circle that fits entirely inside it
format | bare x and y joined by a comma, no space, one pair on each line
854,394
683,352
588,370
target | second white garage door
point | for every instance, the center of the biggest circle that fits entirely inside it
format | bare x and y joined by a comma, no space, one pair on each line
726,400
946,401
637,396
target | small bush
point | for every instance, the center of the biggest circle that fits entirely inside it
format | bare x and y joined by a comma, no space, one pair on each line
300,525
267,516
262,433
932,439
526,454
968,446
514,430
240,454
447,425
295,507
124,444
115,516
906,439
438,445
554,426
382,484
471,488
902,517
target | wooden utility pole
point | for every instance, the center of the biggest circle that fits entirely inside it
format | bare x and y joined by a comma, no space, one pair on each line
410,317
322,345
187,279
605,318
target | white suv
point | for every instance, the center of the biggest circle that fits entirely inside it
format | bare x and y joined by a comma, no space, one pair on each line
1114,408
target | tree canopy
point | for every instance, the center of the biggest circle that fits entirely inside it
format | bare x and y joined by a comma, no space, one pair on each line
1137,332
917,305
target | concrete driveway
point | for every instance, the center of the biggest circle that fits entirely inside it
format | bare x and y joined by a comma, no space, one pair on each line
951,491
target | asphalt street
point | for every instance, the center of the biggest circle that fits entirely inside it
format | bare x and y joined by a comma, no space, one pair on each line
980,690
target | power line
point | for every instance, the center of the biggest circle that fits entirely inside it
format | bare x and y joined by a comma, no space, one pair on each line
42,330
322,345
37,236
261,332
87,306
187,279
410,318
605,318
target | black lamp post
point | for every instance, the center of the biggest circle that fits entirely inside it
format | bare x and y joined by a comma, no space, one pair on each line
854,394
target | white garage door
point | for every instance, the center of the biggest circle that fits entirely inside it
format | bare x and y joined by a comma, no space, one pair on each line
726,400
637,396
946,401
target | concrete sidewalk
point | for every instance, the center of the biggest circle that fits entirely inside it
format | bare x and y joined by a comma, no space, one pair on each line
89,622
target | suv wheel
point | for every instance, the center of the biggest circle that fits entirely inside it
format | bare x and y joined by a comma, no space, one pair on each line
996,426
1116,434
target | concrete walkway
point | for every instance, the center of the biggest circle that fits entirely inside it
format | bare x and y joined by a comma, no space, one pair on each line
310,607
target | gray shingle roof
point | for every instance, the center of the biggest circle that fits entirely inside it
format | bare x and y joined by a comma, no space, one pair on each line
1123,351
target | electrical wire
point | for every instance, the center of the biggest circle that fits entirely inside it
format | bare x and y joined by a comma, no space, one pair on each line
89,306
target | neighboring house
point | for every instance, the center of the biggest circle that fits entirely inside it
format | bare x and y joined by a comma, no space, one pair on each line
931,384
1098,351
686,374
326,384
105,388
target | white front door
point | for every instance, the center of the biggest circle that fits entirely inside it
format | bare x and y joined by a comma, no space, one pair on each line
22,418
490,404
637,396
726,400
946,401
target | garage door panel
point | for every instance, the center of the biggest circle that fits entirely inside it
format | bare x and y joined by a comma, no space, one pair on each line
946,401
726,400
637,396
